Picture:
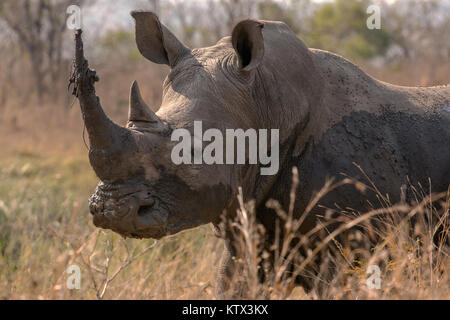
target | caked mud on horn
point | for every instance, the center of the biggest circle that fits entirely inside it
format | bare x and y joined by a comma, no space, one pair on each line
102,131
105,137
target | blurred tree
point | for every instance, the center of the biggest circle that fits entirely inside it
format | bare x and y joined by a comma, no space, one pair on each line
270,10
295,13
220,16
340,26
9,54
39,27
118,45
420,31
188,16
155,6
420,28
236,10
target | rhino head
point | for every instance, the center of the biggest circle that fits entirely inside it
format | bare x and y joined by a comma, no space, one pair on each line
142,192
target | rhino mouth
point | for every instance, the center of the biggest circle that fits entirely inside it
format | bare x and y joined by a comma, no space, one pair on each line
130,210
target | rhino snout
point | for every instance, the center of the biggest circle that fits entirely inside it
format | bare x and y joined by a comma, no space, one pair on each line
136,214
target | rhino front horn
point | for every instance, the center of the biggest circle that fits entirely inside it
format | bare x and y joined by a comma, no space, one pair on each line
101,130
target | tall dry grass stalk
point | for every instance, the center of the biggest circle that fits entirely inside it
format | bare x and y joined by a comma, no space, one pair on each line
411,250
45,227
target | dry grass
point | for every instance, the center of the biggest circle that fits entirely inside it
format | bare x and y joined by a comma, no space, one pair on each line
45,227
411,264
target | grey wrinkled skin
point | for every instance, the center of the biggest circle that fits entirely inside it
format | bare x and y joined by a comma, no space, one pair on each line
330,114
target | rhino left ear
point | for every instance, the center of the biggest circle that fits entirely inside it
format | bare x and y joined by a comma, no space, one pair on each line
248,42
155,41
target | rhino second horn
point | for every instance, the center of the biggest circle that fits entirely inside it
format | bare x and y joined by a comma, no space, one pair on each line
139,110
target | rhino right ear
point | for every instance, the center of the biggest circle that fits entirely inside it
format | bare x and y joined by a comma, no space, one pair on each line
155,41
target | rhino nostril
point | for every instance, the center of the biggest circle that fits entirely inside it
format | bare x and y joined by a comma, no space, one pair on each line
148,201
143,210
92,209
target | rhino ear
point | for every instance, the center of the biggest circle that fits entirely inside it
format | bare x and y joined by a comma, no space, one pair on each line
248,42
155,41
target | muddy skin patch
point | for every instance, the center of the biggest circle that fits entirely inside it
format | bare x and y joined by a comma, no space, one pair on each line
190,208
389,147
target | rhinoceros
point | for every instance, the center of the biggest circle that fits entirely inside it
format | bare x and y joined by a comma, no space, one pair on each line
330,115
